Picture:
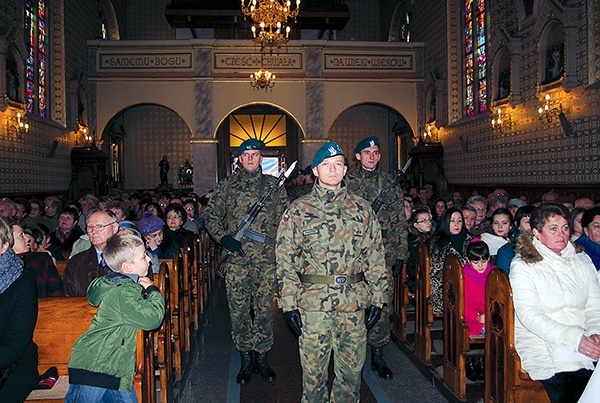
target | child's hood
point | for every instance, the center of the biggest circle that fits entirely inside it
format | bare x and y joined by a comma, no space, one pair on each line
102,285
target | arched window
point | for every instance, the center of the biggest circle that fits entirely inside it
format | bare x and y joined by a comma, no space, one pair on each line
552,56
503,75
475,57
36,67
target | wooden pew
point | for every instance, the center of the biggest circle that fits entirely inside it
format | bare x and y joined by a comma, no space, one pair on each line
60,323
61,266
457,341
177,313
197,294
505,380
423,314
164,344
186,295
400,302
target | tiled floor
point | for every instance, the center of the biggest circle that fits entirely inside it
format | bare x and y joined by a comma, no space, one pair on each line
214,365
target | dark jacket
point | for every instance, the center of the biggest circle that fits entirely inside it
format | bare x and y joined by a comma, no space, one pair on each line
104,356
42,269
81,270
18,315
58,246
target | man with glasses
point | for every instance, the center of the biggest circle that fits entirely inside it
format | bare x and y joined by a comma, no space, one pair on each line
368,181
84,267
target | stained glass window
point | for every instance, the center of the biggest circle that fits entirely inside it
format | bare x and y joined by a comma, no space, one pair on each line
36,69
475,58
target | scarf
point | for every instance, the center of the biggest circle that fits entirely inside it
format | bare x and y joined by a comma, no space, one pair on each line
458,242
11,267
475,276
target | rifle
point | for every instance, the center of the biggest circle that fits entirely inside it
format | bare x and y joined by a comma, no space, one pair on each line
243,230
377,203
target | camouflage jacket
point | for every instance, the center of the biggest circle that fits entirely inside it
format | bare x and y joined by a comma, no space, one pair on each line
233,198
391,216
330,232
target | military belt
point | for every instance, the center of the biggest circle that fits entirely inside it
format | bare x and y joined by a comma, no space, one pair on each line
335,280
255,236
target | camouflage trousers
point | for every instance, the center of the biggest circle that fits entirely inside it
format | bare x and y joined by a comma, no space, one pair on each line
379,335
251,288
344,333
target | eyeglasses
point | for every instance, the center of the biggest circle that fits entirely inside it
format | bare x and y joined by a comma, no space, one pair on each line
173,217
92,228
189,208
163,204
424,221
480,209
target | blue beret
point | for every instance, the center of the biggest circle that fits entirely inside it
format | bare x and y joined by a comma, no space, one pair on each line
368,142
250,144
328,150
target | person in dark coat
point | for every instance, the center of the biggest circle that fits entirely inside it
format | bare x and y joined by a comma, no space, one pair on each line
18,315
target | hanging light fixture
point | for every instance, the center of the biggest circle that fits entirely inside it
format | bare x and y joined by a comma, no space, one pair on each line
262,80
270,29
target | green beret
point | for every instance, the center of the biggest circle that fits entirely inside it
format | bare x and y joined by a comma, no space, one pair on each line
328,150
368,142
250,144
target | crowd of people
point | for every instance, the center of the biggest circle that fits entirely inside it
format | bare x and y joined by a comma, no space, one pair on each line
332,259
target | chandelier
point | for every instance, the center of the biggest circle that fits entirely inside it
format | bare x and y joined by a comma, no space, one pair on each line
270,19
262,80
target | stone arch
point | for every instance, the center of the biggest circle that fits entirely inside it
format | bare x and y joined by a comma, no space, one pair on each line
373,118
138,126
552,53
12,50
284,154
111,19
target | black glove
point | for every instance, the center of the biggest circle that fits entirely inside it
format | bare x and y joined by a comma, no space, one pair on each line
372,315
398,267
294,321
232,245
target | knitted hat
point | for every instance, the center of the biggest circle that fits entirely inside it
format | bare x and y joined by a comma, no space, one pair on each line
328,150
150,224
368,142
250,144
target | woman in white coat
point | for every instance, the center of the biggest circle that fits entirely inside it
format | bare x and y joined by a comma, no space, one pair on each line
556,296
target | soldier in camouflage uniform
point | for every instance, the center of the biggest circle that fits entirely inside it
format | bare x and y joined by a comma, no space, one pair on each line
367,181
250,279
331,268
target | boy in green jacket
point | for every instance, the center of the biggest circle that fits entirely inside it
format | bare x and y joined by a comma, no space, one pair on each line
102,363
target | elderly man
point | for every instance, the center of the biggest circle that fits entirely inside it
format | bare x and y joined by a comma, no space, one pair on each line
250,278
52,206
7,208
331,268
368,181
84,267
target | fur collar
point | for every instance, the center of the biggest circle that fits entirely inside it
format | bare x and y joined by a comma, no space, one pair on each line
529,253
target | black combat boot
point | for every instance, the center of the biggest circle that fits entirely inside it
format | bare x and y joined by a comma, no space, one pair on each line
247,368
378,363
262,367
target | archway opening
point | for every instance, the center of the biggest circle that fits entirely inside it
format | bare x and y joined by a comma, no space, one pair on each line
138,137
371,119
274,127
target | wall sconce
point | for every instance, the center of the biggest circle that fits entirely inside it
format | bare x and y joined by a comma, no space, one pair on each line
502,121
16,124
551,109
